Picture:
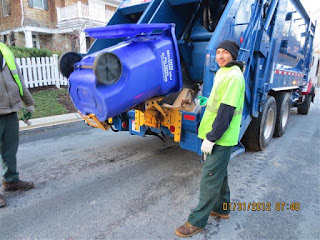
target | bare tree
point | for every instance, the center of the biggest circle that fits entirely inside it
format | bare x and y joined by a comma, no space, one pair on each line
10,38
73,36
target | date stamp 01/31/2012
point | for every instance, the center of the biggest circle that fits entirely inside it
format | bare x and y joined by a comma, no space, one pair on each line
261,206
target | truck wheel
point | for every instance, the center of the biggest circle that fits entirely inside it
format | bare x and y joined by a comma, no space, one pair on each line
283,113
303,109
261,129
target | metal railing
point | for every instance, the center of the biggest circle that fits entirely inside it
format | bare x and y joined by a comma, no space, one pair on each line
82,11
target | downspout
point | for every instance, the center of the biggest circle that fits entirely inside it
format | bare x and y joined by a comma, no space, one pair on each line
22,13
22,19
22,22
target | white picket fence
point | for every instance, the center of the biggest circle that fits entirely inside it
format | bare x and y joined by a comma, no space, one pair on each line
41,71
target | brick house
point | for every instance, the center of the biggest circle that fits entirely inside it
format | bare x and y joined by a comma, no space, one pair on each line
54,24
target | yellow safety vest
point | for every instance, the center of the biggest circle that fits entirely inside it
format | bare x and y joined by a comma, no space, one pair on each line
228,88
8,56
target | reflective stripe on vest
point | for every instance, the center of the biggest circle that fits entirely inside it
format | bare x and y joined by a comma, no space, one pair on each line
8,56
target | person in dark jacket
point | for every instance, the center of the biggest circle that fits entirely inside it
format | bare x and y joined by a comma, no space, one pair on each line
220,129
13,93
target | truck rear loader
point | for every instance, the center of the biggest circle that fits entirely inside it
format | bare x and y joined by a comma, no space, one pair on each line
150,67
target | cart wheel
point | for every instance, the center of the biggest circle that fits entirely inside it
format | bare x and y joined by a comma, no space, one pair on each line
261,129
283,113
67,61
107,68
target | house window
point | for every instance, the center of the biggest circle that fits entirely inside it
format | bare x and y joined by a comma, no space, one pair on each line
12,39
8,39
43,4
2,38
35,41
5,8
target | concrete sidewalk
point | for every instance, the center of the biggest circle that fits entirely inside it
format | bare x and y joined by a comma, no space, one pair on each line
50,121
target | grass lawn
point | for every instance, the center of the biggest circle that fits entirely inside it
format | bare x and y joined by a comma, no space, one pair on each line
51,101
47,104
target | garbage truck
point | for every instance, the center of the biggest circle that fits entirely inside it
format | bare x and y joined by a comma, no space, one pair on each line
151,68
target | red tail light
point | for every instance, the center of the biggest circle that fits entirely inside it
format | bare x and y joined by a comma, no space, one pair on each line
189,117
124,125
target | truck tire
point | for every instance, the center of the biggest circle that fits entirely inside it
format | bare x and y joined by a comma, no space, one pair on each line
303,109
283,113
261,129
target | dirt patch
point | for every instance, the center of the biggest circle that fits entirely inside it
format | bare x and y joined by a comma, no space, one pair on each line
38,89
64,99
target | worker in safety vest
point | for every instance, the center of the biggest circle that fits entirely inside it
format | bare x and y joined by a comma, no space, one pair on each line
13,93
220,128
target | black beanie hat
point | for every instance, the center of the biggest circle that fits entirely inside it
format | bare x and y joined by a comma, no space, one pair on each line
230,46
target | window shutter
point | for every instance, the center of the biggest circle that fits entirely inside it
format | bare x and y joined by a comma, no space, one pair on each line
45,4
30,3
6,8
9,8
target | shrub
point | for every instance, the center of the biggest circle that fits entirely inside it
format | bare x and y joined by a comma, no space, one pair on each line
22,52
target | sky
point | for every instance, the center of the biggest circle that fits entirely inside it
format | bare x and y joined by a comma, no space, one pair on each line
313,9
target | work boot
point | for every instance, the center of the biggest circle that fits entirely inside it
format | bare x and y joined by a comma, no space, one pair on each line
19,185
224,216
2,201
187,230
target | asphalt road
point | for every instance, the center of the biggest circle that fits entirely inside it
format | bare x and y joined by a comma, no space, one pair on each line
92,184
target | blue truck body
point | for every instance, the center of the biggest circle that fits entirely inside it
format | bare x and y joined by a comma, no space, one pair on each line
275,38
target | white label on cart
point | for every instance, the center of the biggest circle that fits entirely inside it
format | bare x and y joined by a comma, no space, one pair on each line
134,126
167,66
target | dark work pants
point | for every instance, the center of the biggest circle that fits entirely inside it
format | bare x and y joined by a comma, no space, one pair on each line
9,141
214,186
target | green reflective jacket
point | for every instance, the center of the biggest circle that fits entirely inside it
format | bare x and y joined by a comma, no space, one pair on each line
228,88
8,56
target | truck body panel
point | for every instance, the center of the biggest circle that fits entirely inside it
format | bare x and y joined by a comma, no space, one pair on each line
275,38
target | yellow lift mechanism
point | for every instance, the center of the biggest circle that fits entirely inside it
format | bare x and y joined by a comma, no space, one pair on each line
153,116
93,121
156,116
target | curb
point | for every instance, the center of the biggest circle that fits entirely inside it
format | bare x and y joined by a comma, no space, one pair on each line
50,121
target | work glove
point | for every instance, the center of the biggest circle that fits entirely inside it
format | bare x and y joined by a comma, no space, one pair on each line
30,109
27,114
203,100
207,147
